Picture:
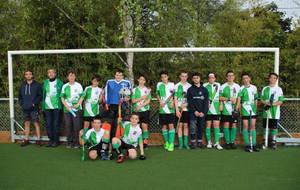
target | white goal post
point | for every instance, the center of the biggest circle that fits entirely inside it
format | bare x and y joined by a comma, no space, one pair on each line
10,55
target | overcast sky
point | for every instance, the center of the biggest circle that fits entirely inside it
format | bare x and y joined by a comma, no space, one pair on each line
290,7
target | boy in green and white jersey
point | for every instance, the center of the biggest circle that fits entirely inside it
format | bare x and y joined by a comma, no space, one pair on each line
272,98
213,114
141,97
71,97
247,102
51,105
131,138
165,92
182,113
96,138
92,96
228,96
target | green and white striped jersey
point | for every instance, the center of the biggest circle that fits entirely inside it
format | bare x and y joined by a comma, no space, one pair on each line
94,137
248,95
72,94
180,94
91,101
214,97
51,94
277,94
164,91
229,91
137,93
132,135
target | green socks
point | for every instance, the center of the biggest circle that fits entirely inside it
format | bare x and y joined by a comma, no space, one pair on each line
180,142
274,133
226,135
186,140
217,135
208,136
171,136
246,136
253,133
165,135
233,135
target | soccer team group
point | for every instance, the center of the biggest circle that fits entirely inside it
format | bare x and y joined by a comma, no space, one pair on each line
184,108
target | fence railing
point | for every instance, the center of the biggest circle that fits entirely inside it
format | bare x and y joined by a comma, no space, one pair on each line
290,116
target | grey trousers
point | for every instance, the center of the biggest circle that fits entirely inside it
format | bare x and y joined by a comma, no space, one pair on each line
73,126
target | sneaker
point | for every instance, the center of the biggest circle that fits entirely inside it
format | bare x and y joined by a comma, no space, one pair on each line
25,143
255,149
49,144
103,156
55,144
227,146
171,147
38,142
166,146
209,145
248,149
69,145
76,146
200,145
232,146
274,145
218,147
193,145
186,146
120,158
180,147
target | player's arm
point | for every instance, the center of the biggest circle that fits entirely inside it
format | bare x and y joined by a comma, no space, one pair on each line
280,99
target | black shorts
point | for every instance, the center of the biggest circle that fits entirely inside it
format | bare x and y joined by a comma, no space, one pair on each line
144,117
31,115
88,118
273,123
248,117
166,119
229,118
126,146
185,118
98,148
213,117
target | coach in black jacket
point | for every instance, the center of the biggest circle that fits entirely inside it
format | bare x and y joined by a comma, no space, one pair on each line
197,97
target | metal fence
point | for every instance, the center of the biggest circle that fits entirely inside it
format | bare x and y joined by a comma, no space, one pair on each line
290,116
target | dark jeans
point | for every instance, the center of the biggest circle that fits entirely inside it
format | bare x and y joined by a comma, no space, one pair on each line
53,120
196,124
73,126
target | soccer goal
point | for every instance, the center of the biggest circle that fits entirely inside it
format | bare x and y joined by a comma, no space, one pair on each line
11,54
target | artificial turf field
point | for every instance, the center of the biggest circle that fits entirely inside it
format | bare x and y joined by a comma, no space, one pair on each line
44,168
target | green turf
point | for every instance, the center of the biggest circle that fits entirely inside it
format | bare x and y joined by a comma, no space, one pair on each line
60,168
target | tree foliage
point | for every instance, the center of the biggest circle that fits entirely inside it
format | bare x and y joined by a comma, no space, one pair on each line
72,24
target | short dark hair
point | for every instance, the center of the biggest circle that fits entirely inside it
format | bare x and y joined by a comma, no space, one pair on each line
135,113
163,73
211,73
28,70
245,74
71,71
196,74
183,72
97,117
97,77
118,70
274,74
229,71
141,75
